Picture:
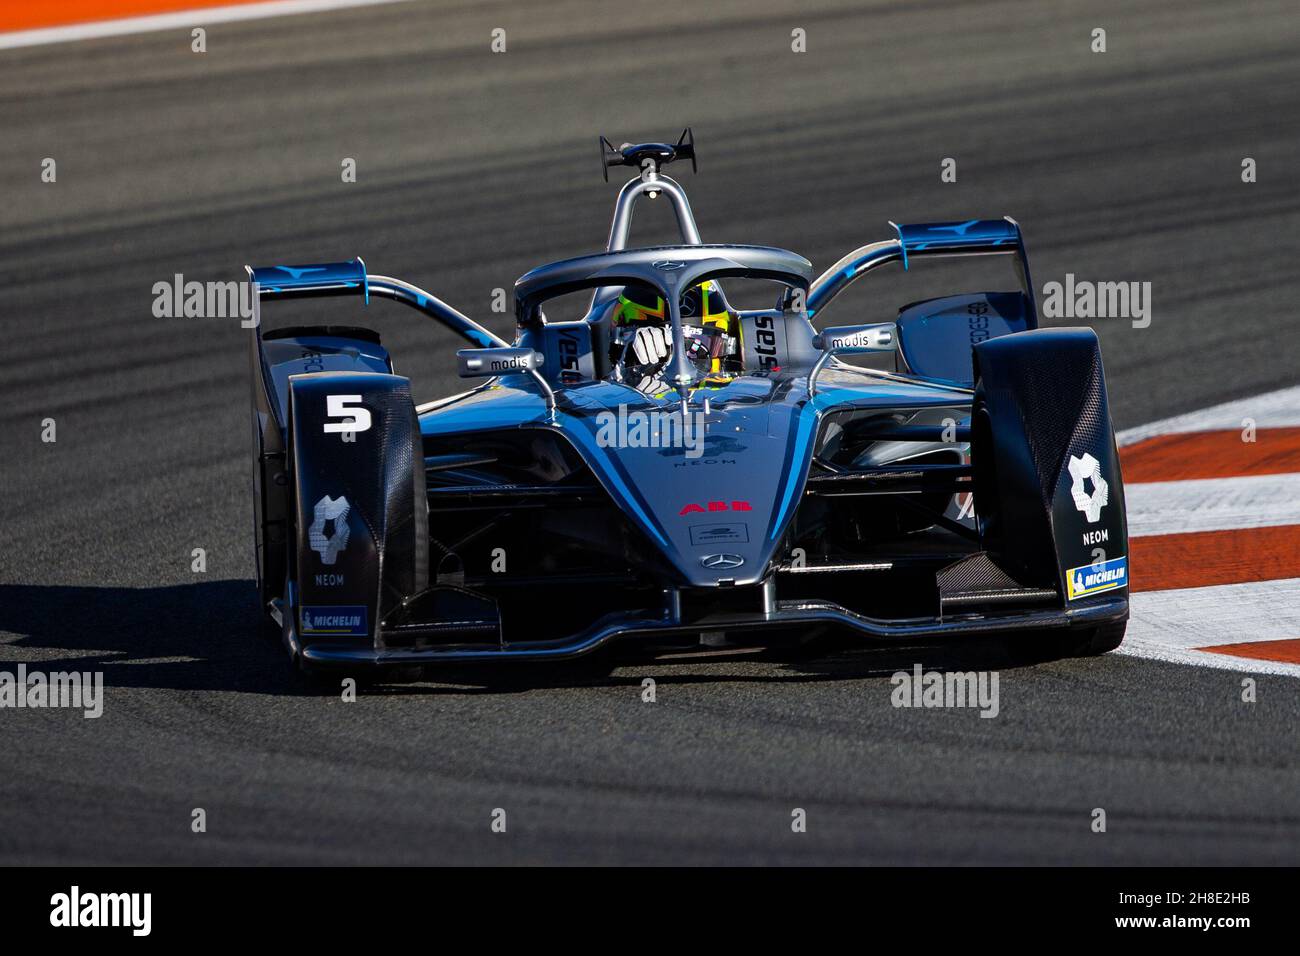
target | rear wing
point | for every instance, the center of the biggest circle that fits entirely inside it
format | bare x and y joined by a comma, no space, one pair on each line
336,278
975,237
351,279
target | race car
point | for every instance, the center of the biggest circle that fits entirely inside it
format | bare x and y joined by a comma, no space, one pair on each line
668,471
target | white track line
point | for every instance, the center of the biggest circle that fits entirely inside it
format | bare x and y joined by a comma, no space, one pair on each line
1136,644
1223,614
1212,504
1280,409
184,19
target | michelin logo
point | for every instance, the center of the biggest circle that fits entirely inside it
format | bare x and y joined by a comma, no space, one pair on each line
1095,578
344,621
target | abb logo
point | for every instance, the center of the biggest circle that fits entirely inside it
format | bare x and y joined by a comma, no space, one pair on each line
694,509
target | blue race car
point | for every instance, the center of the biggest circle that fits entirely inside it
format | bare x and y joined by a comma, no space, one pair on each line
669,470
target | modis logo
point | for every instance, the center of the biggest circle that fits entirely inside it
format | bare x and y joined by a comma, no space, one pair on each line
696,509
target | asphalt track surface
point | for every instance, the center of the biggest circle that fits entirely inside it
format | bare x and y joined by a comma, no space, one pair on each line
472,168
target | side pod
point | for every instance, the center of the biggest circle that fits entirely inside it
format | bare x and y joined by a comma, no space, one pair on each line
1048,488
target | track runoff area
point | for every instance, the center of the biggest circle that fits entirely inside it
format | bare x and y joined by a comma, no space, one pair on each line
1214,526
38,22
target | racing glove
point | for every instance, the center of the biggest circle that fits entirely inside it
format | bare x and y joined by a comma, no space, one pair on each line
644,357
650,346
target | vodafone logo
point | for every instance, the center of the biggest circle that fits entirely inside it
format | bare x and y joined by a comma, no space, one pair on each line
697,509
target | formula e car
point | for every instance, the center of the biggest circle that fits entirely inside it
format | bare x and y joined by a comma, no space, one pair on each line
760,489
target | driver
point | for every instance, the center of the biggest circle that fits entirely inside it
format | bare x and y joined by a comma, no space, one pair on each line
643,338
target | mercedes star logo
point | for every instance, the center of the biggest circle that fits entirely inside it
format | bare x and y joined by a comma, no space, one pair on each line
668,265
722,562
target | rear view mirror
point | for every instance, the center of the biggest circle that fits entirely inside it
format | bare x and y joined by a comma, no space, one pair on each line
482,363
849,340
935,337
853,339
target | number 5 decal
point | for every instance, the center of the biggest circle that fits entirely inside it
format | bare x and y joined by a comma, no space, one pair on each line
357,417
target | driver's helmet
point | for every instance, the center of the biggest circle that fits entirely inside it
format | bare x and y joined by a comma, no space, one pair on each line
706,319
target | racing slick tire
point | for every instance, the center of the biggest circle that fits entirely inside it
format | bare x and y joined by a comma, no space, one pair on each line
1097,640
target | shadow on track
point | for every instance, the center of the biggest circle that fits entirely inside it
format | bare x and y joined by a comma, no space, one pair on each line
205,636
187,637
